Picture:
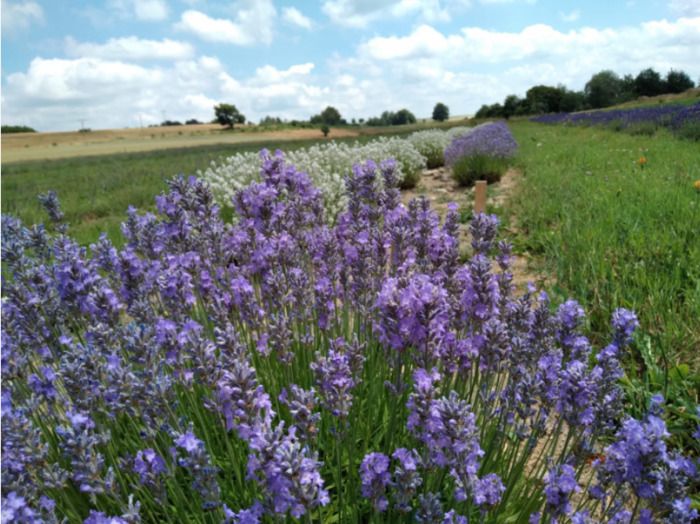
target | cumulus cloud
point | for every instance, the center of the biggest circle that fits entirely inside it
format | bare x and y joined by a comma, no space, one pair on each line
18,16
130,48
112,93
464,69
144,10
361,13
252,24
685,7
295,17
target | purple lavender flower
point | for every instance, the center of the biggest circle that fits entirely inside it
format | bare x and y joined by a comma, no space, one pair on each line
560,483
624,323
50,203
336,377
406,478
197,461
490,139
451,517
251,515
375,476
488,490
288,470
429,509
301,403
149,466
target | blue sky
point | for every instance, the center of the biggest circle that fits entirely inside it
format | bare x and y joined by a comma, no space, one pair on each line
119,63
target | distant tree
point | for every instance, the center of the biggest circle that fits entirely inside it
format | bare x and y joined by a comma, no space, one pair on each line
329,116
627,91
543,99
17,129
511,105
325,130
603,89
402,117
228,115
678,81
192,122
571,101
270,120
166,123
441,112
649,83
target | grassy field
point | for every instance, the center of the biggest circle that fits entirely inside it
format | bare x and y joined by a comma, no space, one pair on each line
614,233
95,191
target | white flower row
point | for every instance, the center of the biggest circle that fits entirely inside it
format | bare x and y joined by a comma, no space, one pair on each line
326,164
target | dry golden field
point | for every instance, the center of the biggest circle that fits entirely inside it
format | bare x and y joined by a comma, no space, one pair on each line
44,146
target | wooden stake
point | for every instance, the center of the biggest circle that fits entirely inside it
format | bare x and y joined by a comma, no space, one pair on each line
480,197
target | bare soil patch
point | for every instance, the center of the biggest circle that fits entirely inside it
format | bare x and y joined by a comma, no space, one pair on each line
438,186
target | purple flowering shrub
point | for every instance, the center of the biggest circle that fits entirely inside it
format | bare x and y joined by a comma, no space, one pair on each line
481,154
279,368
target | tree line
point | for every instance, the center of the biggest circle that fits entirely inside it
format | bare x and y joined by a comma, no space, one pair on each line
604,89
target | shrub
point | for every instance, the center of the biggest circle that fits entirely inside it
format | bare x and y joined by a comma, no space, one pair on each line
454,132
469,169
279,368
431,144
327,164
325,130
481,154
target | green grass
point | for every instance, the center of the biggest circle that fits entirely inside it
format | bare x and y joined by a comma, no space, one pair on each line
616,235
95,192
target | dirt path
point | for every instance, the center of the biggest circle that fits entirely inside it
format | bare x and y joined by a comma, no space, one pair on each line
438,186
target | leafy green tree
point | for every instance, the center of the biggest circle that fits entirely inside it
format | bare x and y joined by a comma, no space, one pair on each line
228,115
603,89
649,83
678,81
571,101
511,105
325,130
441,112
402,117
329,116
544,99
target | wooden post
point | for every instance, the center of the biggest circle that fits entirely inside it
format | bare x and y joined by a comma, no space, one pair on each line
480,197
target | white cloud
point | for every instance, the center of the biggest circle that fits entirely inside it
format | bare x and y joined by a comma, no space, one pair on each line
18,16
476,66
252,24
130,48
463,69
52,93
295,17
685,7
361,13
144,10
570,17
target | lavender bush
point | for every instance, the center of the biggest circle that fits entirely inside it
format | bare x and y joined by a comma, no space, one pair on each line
280,368
482,154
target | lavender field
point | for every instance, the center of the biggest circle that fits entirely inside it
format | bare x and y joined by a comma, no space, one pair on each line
281,368
680,119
